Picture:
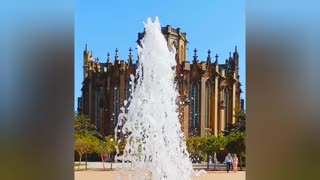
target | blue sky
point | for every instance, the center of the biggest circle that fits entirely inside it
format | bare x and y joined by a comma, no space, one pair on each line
218,25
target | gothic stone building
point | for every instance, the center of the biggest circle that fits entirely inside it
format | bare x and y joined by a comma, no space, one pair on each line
209,92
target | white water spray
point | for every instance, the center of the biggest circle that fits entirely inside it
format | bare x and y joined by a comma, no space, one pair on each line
155,142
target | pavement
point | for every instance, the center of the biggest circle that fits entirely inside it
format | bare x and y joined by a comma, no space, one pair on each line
112,175
95,172
98,165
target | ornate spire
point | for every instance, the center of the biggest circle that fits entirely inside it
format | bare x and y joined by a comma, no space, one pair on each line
216,58
235,54
195,57
86,48
108,57
130,55
91,54
116,53
229,54
116,57
130,51
209,57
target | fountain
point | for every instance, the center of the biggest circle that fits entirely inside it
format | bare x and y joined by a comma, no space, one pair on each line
155,146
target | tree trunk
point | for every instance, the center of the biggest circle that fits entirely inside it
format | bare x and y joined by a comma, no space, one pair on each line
111,159
86,162
240,161
80,156
208,161
214,160
102,159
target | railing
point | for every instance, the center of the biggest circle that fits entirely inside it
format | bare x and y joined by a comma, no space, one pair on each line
217,166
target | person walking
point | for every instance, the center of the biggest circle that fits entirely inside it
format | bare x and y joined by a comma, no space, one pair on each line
228,162
234,163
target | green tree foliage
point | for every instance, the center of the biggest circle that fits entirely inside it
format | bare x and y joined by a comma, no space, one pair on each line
200,148
237,144
236,135
241,117
86,136
196,148
82,126
85,145
215,144
239,126
106,146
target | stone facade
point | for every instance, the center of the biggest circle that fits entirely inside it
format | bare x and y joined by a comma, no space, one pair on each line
209,91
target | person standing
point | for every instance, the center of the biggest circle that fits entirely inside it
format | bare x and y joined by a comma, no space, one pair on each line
235,163
210,161
228,162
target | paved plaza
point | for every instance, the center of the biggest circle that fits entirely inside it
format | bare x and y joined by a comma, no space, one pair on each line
95,172
104,175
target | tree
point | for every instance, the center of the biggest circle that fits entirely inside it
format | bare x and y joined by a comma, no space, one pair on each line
196,148
214,144
85,145
83,129
105,146
237,144
241,121
239,126
82,126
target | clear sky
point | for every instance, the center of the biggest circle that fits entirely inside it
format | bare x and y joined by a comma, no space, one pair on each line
218,25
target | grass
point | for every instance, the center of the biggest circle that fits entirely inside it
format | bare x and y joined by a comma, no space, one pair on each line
77,164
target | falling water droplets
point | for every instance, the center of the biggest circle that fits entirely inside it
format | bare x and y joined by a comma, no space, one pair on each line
152,123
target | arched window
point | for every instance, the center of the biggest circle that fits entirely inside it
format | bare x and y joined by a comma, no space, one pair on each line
97,109
116,103
181,53
194,107
208,105
226,104
128,92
